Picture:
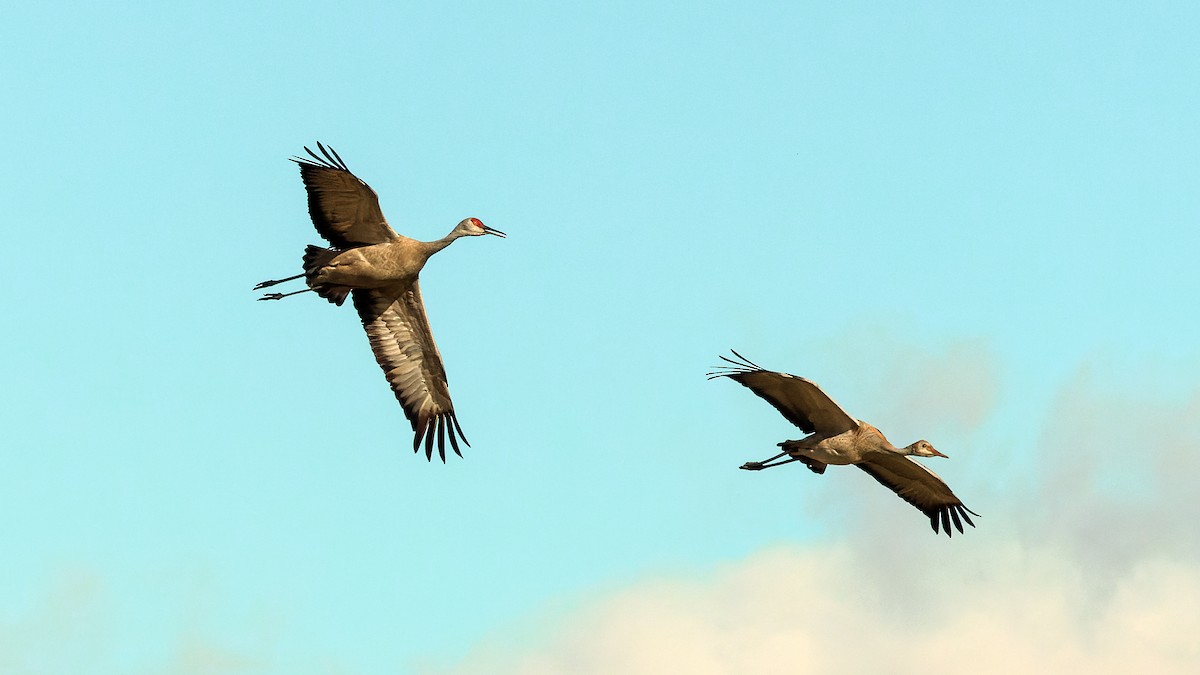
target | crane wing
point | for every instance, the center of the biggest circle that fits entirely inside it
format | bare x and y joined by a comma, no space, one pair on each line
799,400
344,209
919,486
395,321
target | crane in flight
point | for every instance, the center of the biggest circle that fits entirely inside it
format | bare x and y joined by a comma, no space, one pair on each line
837,438
376,266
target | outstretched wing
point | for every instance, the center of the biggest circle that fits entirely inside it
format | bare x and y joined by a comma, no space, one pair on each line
395,321
344,209
800,401
919,486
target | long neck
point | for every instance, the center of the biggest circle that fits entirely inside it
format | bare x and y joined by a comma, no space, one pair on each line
431,247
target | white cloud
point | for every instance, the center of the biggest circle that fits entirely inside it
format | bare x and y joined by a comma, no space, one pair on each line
790,610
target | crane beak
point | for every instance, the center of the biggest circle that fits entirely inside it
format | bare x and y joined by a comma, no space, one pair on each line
938,454
498,233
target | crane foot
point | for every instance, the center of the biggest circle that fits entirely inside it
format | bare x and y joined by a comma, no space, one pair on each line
272,296
751,466
265,284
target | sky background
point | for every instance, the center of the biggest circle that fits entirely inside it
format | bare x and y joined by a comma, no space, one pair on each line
973,223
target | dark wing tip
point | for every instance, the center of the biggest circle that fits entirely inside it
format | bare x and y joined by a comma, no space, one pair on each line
338,159
745,360
314,155
454,418
429,432
441,431
963,511
454,440
331,159
425,429
940,519
954,517
418,433
740,366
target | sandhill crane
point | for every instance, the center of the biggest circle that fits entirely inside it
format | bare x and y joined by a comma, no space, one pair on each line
379,268
837,438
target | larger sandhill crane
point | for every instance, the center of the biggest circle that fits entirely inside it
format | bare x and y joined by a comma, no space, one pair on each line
838,438
379,268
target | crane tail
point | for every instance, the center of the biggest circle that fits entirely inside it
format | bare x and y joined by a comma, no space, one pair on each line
316,257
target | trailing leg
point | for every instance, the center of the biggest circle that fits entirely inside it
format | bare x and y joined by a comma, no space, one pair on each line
268,284
280,296
767,463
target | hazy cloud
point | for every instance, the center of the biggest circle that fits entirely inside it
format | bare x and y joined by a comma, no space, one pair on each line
952,386
71,629
69,612
1119,472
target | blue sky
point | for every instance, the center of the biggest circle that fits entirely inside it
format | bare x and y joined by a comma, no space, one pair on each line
970,222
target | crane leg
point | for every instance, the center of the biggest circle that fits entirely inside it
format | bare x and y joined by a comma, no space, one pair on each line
280,296
272,282
766,463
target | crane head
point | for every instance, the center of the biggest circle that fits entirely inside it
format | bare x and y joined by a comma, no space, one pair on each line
474,227
924,449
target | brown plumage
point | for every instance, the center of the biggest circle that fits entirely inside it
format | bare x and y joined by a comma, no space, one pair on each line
837,438
379,268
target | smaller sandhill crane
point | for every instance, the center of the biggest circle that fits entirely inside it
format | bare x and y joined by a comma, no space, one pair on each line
379,268
837,438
